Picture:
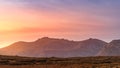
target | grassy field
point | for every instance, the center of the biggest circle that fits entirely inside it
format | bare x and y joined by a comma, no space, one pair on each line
74,62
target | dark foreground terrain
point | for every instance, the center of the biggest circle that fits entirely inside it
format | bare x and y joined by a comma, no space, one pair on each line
75,62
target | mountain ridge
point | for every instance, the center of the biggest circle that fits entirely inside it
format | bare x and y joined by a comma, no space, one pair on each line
57,47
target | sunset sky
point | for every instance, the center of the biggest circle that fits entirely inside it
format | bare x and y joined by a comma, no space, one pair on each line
28,20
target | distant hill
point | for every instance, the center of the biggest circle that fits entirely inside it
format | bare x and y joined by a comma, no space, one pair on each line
49,47
111,49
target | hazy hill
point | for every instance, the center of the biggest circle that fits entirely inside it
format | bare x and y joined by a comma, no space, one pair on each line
48,47
111,49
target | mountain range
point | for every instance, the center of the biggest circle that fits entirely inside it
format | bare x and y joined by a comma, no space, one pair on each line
53,47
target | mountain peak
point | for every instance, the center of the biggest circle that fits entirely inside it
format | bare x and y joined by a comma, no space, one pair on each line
43,38
51,39
93,40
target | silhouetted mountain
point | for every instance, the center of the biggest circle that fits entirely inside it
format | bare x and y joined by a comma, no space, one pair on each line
49,47
111,49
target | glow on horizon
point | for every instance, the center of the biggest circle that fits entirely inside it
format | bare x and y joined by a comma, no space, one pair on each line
27,20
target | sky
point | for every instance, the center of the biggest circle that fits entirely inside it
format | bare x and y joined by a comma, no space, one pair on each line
28,20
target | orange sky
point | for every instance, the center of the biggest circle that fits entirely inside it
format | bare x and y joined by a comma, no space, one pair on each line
28,21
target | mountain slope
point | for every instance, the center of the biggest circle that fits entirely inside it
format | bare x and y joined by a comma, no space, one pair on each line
50,47
111,49
89,47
